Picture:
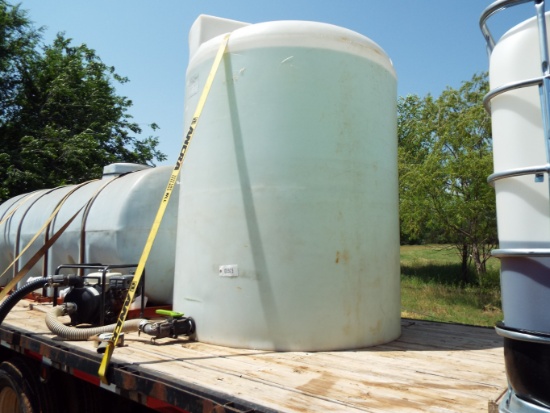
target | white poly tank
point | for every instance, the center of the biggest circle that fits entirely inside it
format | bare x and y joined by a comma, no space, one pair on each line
288,233
113,230
523,209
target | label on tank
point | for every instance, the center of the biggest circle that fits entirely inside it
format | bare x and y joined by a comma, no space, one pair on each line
231,270
193,86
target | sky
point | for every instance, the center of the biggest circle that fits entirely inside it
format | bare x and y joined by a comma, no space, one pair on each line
433,44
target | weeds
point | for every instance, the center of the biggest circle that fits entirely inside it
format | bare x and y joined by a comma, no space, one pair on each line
431,288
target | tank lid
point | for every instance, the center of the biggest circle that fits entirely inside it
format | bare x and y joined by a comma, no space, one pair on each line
207,27
116,169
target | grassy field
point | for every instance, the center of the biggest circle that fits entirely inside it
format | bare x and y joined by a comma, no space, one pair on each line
431,289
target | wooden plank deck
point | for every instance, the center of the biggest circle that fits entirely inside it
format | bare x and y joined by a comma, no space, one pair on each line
432,367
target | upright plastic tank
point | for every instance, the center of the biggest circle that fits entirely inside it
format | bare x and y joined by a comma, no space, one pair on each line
523,208
288,233
518,65
111,229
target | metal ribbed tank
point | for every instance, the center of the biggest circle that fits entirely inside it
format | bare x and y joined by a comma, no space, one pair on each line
288,233
111,230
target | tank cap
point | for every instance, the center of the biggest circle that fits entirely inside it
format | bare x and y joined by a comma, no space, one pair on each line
116,169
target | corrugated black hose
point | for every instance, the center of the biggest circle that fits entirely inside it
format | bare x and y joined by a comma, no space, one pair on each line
19,294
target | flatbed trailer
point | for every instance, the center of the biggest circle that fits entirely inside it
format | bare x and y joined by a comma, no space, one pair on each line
432,367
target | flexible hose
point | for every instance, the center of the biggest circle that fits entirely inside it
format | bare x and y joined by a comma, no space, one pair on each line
80,334
17,295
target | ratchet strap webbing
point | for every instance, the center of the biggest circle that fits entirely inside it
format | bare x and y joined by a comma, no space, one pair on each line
160,213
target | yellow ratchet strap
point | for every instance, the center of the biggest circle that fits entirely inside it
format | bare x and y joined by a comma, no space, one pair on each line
160,213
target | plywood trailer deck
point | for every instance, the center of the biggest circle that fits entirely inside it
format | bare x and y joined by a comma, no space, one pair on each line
432,367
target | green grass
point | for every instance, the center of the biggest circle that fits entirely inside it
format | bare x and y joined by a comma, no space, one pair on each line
431,288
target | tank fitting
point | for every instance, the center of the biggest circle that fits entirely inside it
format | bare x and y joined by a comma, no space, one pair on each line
170,328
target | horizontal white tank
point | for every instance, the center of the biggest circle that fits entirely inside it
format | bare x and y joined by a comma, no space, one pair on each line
112,230
523,209
288,233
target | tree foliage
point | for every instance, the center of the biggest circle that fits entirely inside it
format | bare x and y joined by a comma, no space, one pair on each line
17,44
61,120
445,156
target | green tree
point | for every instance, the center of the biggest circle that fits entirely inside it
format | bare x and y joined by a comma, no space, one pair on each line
65,120
18,40
445,156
